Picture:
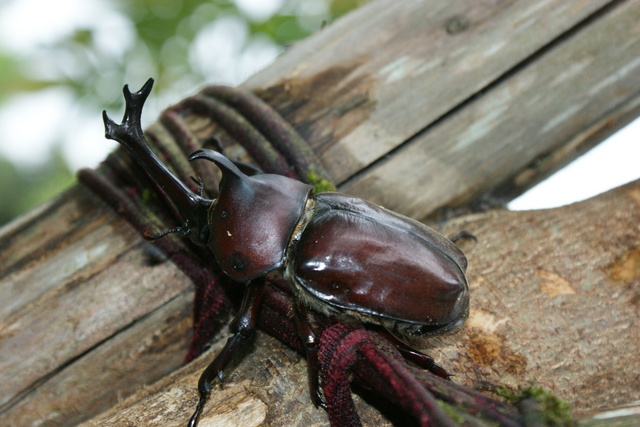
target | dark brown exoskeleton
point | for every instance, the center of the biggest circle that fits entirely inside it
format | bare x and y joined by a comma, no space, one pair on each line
343,256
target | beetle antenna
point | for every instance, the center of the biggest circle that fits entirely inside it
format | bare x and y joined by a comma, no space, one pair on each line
151,235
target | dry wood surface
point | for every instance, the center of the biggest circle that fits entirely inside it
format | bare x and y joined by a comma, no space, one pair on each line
555,297
418,105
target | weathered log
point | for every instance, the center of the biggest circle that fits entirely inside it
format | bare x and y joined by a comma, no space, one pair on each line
555,299
91,314
419,105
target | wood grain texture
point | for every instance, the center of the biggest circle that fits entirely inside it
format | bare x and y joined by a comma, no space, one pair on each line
455,92
396,59
268,387
556,297
539,112
75,276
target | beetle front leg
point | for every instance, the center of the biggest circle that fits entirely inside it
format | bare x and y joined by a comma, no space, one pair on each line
243,328
311,349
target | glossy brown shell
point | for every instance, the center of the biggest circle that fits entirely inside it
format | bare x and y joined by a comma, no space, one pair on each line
253,218
357,256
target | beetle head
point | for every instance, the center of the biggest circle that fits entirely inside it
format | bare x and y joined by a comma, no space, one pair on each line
253,218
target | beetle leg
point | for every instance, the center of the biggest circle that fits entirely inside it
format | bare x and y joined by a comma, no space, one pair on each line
243,328
422,360
151,235
199,182
305,331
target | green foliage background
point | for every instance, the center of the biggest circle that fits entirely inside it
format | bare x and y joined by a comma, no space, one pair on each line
163,32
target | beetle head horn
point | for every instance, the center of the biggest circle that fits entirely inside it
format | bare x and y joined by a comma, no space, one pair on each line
191,208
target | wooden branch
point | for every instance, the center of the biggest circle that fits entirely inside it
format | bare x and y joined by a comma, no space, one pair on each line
417,105
403,102
89,304
555,298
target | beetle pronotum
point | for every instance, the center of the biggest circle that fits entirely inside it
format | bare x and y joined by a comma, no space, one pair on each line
342,255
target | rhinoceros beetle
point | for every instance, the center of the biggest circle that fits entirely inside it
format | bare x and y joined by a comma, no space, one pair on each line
343,256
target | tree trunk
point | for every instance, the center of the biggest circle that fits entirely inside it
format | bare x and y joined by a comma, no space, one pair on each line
416,105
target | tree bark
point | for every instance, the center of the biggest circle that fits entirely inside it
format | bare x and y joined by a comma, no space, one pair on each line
405,103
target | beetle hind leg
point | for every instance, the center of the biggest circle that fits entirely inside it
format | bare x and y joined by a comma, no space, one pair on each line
409,353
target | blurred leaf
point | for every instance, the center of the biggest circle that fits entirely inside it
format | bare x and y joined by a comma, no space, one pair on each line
83,37
13,80
283,29
341,7
20,194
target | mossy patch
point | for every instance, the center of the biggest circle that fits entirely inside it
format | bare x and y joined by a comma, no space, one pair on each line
553,410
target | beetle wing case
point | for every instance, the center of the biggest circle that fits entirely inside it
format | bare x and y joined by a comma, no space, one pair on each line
253,218
357,256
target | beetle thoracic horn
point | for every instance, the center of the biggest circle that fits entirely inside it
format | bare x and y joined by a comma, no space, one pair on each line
226,165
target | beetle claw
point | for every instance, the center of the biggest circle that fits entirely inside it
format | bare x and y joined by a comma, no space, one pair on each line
439,371
150,235
193,422
321,404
